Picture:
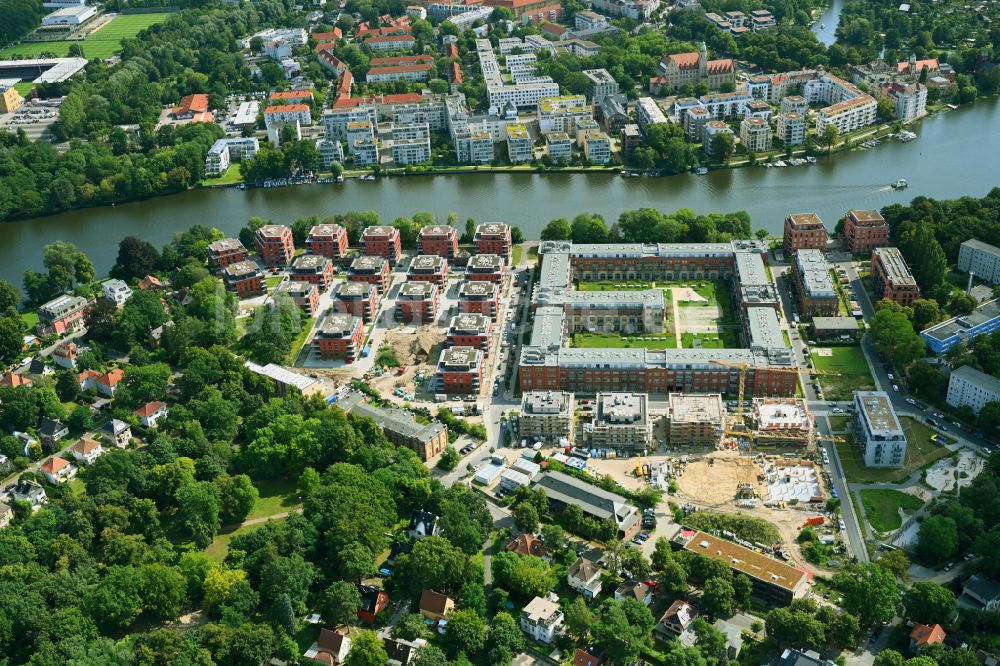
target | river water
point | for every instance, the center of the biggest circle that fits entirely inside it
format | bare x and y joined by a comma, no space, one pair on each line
956,154
826,27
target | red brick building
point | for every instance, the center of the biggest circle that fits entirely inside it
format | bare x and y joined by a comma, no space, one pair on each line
485,268
223,252
439,239
865,230
417,302
460,370
339,337
470,330
245,279
804,231
357,298
275,245
428,268
479,297
494,238
374,270
891,277
314,269
305,295
328,240
382,241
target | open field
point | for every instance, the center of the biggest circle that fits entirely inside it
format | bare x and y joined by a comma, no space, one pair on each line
219,548
853,368
598,340
23,88
276,496
103,43
920,452
882,507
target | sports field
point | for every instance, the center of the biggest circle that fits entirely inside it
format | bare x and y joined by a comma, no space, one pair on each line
101,44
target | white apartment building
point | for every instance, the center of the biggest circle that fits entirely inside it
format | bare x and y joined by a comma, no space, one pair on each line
411,144
386,43
794,104
877,430
289,113
597,147
473,145
909,101
521,95
849,108
708,132
582,128
519,145
755,135
546,415
410,73
695,119
726,105
225,152
329,152
980,258
335,122
621,421
559,114
648,112
365,151
361,129
560,146
541,619
968,387
637,10
600,84
116,291
792,128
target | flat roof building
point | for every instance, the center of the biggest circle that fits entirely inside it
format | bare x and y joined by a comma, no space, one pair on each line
339,337
968,387
546,415
781,421
963,329
460,370
225,251
485,268
314,269
695,419
417,302
428,268
494,238
981,258
481,297
891,277
360,299
370,269
275,244
470,330
865,230
245,279
439,239
303,294
827,328
621,422
814,284
804,231
328,240
877,430
382,241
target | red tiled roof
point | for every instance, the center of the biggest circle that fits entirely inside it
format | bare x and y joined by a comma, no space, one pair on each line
684,60
54,464
554,29
150,408
291,94
286,107
85,445
527,544
930,63
723,66
400,60
197,103
203,117
455,73
14,380
150,282
333,35
927,635
109,379
451,51
434,602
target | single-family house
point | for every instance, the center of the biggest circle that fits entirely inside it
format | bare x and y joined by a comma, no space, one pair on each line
57,470
29,491
6,515
152,412
150,283
924,635
104,383
423,524
541,619
39,367
373,602
65,355
980,592
12,380
118,432
330,648
51,430
791,657
734,637
401,651
87,450
25,440
676,621
117,291
592,655
435,606
527,544
585,577
633,589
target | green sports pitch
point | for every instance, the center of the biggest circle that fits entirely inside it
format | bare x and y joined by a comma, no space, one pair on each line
101,44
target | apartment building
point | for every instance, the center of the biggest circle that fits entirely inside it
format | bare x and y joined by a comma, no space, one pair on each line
794,104
849,108
814,284
360,129
559,146
63,314
754,288
329,152
519,145
303,294
877,430
865,230
521,95
360,299
622,422
792,128
470,330
382,241
365,151
428,268
400,426
803,231
494,238
696,419
648,112
314,269
274,244
223,252
600,84
485,268
339,337
479,297
327,240
695,119
336,121
563,490
542,620
245,279
981,259
891,277
391,73
116,291
225,152
438,239
963,329
473,146
389,43
597,147
547,415
417,302
968,387
756,108
559,114
909,100
374,270
710,130
287,113
459,370
755,134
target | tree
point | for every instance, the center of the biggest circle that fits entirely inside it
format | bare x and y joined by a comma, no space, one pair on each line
516,233
929,603
356,561
925,312
622,640
888,657
924,254
11,337
589,228
449,459
829,137
141,384
579,619
410,627
869,591
430,655
366,650
525,517
719,597
557,229
894,337
672,579
553,536
137,258
897,562
339,603
433,563
761,234
722,146
198,507
711,642
504,638
10,297
635,564
937,539
240,497
115,601
795,627
284,614
164,590
466,632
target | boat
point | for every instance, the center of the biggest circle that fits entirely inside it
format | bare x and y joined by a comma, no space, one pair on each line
900,184
701,171
811,159
780,163
629,174
822,26
369,176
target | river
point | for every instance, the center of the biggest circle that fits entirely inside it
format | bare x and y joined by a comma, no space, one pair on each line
950,158
826,27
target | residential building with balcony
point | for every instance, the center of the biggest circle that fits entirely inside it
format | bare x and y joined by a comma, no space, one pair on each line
116,291
339,337
519,145
63,314
600,84
245,279
400,427
428,268
382,241
470,330
621,422
814,284
755,134
365,151
313,268
803,231
303,294
479,297
891,277
287,114
459,370
865,230
494,238
417,302
968,387
542,620
327,240
877,430
547,415
485,268
559,114
374,270
559,146
438,239
360,299
981,259
275,244
792,128
696,419
597,147
223,252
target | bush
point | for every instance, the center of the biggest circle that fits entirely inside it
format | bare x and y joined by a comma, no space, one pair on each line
744,527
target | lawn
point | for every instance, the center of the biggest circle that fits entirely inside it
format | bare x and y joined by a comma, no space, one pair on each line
232,176
276,496
839,423
920,452
307,326
853,368
219,548
705,340
30,319
600,340
102,44
24,87
882,507
273,281
516,253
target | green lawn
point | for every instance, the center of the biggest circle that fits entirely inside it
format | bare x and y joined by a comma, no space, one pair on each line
307,326
102,44
516,253
276,496
232,176
30,319
839,423
706,340
24,87
853,368
920,452
600,340
273,281
882,507
219,548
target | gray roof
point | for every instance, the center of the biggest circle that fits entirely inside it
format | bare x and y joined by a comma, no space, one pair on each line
979,245
396,420
983,587
834,323
750,269
982,314
593,500
765,331
980,379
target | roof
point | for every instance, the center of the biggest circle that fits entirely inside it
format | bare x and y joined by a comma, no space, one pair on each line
923,634
633,589
286,108
683,60
291,94
744,560
583,569
49,427
539,610
680,614
197,103
527,544
982,586
114,427
834,323
425,518
400,69
330,641
150,408
401,60
85,445
282,375
976,244
53,465
434,602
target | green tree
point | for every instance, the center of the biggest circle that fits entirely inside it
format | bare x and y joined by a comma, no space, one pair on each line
622,641
137,258
722,146
937,539
929,603
12,331
719,597
525,517
433,563
10,297
925,313
356,562
557,229
504,638
198,507
410,627
924,254
431,655
589,228
578,618
869,591
897,562
240,496
829,137
894,337
711,642
366,650
164,590
115,602
888,657
339,603
449,459
466,632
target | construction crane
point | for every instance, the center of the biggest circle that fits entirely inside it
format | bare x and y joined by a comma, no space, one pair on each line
743,367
